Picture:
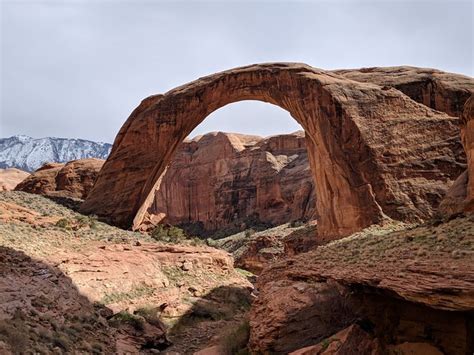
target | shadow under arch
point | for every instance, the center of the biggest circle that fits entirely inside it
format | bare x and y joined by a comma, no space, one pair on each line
346,123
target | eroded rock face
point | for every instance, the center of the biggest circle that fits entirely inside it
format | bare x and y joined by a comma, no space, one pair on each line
467,136
11,177
223,180
254,251
73,179
441,91
373,150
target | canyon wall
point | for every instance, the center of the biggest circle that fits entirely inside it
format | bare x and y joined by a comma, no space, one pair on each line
232,181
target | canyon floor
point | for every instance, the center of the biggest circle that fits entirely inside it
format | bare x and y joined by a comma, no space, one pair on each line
73,284
70,283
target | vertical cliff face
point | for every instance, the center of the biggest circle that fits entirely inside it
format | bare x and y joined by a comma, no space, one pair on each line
223,180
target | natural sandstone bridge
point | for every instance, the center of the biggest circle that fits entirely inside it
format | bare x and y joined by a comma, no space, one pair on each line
372,136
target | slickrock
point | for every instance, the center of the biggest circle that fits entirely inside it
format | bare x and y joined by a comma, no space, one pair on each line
373,150
396,284
72,179
11,177
224,181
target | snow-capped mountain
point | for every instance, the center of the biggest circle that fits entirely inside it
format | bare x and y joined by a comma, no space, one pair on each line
29,154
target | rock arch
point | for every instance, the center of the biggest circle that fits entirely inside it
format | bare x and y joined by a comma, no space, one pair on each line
362,138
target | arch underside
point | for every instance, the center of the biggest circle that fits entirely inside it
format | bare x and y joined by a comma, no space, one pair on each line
370,146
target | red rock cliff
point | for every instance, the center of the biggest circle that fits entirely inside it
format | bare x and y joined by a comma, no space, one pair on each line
221,180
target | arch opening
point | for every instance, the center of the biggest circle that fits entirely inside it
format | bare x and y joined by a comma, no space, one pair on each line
223,181
249,117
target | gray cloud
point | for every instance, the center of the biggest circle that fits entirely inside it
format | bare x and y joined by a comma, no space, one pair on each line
78,68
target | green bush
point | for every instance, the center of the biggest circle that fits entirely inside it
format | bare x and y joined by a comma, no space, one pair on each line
63,223
296,224
135,321
87,221
249,233
150,314
168,234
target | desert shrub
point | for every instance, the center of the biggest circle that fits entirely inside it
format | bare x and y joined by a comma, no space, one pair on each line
86,221
249,233
296,224
150,314
13,336
204,310
63,223
61,341
97,348
137,291
122,317
236,340
168,234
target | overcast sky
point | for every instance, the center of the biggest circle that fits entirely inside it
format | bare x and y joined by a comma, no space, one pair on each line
78,68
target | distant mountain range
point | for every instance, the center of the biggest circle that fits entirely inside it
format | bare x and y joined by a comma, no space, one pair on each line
29,154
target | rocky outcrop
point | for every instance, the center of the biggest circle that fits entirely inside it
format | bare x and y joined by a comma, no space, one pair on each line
11,177
441,91
359,178
73,179
386,281
223,181
253,251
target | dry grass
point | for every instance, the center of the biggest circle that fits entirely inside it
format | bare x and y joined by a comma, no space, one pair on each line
389,244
